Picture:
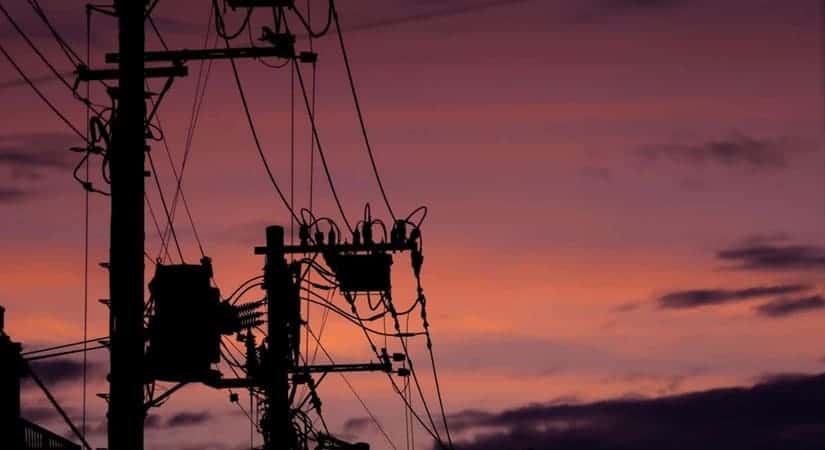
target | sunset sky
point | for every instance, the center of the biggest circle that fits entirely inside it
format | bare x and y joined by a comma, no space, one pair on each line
626,197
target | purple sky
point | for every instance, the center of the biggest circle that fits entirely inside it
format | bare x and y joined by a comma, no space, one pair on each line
583,162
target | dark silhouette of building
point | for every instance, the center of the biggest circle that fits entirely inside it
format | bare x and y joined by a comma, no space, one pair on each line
16,432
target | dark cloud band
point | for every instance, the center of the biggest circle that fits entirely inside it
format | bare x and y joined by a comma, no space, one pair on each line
785,413
707,297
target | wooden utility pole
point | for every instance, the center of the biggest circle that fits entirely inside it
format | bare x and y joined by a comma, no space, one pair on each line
281,295
127,234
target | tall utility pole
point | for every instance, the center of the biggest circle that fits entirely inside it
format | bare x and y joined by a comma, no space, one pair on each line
127,234
282,304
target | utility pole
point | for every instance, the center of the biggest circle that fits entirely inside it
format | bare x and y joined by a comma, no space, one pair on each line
127,234
282,301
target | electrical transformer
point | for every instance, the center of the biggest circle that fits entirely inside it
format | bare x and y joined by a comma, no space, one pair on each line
361,272
184,329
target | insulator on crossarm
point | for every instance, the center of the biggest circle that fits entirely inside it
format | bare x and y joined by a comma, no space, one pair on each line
303,234
367,233
399,232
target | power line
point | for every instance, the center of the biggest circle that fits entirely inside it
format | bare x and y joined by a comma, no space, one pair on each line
65,353
62,346
56,405
165,207
40,94
72,56
320,148
197,102
354,392
420,391
257,140
164,250
43,58
438,389
292,153
432,432
182,196
334,13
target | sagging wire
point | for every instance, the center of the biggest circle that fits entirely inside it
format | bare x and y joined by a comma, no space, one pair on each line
311,115
56,405
220,25
354,392
431,431
306,22
361,121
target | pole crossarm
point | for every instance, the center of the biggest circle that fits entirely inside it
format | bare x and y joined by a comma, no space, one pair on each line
261,3
324,368
348,248
211,53
237,383
86,74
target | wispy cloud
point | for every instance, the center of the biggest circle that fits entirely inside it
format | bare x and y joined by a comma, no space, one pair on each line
27,158
12,195
181,419
188,419
29,155
638,5
626,307
599,10
735,151
61,371
431,15
784,307
37,80
696,298
774,257
596,173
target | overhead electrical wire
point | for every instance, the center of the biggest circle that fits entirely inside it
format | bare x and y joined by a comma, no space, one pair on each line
178,176
432,432
163,250
310,106
65,353
257,139
321,149
40,94
186,209
71,55
361,121
57,74
355,321
354,392
292,222
163,203
307,22
423,302
56,405
62,346
220,25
